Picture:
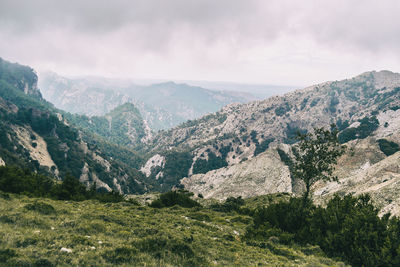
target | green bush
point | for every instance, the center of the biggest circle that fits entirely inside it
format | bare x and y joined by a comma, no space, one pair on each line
262,146
43,263
230,204
172,198
16,180
121,255
348,228
177,165
282,109
171,250
366,128
213,163
41,207
6,254
388,147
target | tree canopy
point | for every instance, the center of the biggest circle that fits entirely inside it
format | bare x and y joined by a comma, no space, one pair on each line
316,155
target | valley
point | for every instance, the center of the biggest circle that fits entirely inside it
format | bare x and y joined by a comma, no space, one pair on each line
239,151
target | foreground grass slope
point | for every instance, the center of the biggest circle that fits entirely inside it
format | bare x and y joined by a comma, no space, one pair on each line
45,232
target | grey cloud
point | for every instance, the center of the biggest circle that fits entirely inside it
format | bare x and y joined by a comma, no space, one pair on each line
101,34
93,15
364,23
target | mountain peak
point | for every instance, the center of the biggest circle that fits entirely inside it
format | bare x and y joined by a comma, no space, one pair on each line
22,77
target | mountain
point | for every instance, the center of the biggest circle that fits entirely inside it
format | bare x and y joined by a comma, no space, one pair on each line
162,105
37,136
240,150
260,90
124,125
243,147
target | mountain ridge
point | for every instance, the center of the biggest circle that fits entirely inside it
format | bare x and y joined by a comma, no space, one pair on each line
365,107
162,105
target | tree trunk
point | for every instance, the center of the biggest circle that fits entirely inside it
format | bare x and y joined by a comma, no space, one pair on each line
306,193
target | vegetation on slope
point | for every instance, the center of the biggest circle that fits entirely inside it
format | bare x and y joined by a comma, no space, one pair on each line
18,181
123,125
348,228
388,147
21,106
45,232
176,230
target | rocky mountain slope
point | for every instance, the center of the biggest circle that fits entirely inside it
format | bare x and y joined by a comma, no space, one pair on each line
123,125
162,105
228,146
35,135
344,102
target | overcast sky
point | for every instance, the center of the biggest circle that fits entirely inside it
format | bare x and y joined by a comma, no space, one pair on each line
272,42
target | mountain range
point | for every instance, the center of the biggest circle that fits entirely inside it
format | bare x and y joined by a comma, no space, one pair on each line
243,149
162,105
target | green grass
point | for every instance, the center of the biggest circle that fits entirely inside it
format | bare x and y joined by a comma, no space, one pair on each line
33,231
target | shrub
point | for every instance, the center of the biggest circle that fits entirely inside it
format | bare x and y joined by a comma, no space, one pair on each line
170,249
213,163
177,165
282,109
262,146
348,228
71,189
388,147
41,207
333,102
366,128
16,180
121,255
230,204
6,254
172,198
43,263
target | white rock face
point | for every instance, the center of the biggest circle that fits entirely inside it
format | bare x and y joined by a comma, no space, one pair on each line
2,163
389,123
155,161
84,178
89,178
264,174
365,169
117,185
381,180
37,147
148,132
100,183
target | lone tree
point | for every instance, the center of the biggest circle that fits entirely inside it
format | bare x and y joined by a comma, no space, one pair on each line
316,155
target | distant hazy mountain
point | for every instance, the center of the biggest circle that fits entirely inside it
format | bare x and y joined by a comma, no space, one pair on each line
162,105
261,91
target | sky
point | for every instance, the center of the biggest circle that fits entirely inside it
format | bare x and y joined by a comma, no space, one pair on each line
282,42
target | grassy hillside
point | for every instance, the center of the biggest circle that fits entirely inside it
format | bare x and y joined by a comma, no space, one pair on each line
33,232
